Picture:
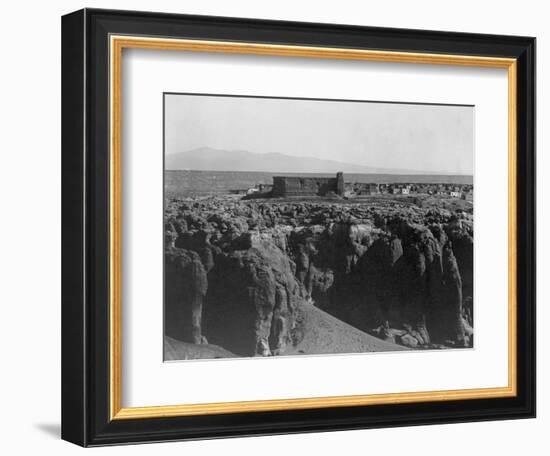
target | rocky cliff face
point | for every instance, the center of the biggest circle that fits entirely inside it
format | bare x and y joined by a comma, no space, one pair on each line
184,298
251,309
238,272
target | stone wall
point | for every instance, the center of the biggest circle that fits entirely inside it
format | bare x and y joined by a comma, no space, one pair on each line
307,186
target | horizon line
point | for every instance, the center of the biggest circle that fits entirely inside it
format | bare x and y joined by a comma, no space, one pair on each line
424,173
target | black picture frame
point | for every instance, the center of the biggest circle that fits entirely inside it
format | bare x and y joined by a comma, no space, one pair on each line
85,228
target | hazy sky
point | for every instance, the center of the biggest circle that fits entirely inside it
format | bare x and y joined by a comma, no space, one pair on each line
400,136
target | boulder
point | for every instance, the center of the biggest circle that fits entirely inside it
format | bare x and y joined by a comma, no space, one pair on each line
251,305
408,340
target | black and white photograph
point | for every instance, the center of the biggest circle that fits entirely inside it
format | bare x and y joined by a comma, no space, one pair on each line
316,226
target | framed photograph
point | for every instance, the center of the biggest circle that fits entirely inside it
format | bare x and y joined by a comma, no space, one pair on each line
279,227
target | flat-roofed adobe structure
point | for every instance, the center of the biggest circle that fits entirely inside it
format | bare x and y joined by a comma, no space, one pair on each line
284,186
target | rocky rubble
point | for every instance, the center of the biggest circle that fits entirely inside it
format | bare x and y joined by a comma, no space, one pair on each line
237,272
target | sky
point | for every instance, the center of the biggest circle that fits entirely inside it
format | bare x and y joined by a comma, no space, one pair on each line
431,138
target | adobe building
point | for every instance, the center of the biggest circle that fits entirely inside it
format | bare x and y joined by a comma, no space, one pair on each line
361,188
285,186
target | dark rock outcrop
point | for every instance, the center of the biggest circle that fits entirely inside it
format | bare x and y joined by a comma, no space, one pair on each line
251,310
238,272
186,284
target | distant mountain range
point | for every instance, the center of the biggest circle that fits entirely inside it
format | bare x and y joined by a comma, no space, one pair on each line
209,159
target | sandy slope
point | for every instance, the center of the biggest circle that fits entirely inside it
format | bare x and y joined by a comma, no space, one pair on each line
324,334
177,350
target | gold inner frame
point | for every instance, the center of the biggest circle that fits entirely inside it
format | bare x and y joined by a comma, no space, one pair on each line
117,44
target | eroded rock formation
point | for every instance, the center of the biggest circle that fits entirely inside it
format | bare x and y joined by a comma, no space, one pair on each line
237,272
